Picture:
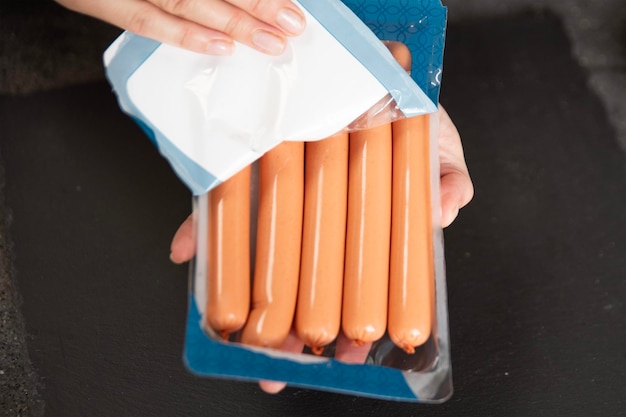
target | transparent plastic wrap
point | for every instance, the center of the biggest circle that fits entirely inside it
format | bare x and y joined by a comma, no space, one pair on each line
335,247
212,115
315,178
338,248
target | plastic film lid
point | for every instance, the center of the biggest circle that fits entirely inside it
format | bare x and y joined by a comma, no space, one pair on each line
211,116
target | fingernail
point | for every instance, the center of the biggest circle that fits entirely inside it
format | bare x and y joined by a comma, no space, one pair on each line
448,216
290,21
268,42
219,47
452,215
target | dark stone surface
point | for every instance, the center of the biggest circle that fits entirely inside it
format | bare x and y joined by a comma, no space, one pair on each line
45,46
18,380
535,263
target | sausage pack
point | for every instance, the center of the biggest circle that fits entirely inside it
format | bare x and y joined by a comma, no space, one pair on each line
315,184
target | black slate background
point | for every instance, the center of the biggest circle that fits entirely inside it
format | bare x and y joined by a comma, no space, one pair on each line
536,263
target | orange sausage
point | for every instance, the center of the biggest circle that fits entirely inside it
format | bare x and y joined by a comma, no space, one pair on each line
318,311
411,279
278,244
228,287
364,313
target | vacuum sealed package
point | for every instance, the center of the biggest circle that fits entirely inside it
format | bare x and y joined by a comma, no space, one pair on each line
315,184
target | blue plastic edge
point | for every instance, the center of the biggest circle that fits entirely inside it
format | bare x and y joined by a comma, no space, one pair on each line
204,356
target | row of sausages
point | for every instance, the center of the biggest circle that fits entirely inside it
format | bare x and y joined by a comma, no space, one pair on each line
343,241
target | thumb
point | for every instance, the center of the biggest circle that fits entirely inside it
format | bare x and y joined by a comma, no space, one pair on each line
456,192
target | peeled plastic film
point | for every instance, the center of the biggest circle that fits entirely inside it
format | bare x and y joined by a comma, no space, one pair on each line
216,114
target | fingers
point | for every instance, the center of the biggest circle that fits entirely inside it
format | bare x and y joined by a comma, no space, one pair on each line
457,189
346,351
204,26
153,22
183,246
272,387
146,19
281,14
291,345
456,192
228,18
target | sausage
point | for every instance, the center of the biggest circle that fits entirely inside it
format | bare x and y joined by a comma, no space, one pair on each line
364,312
228,287
318,311
278,244
411,278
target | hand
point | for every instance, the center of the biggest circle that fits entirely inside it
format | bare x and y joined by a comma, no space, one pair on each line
456,191
205,26
345,351
456,187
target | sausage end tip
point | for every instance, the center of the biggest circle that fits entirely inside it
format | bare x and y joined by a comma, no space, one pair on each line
409,349
358,342
317,350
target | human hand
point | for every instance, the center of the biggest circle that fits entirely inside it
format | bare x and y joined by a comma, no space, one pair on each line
456,187
205,26
456,191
